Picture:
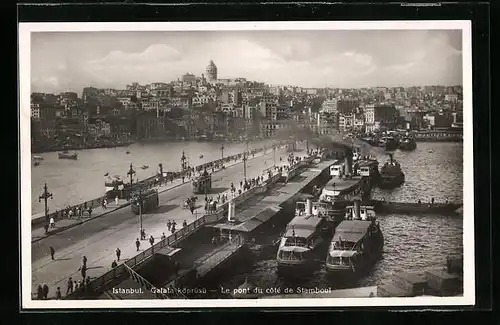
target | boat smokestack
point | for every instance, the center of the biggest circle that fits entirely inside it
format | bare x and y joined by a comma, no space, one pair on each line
357,214
231,211
348,159
308,207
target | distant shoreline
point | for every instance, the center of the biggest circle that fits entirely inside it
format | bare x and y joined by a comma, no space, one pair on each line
76,148
124,144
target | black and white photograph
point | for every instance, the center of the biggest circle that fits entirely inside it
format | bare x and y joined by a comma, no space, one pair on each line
248,164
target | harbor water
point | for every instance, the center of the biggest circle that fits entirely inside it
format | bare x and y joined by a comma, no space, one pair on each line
412,243
75,181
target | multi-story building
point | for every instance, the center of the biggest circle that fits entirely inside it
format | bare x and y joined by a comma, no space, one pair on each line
268,110
35,111
329,106
380,115
346,122
451,98
189,78
347,105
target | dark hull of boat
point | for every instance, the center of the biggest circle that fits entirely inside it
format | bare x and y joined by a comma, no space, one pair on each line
390,182
408,146
422,208
68,157
390,145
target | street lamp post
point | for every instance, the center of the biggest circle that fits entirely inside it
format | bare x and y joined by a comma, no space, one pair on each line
222,151
139,201
183,162
274,152
245,158
131,173
45,196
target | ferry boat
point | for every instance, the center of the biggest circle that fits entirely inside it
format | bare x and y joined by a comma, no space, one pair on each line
113,185
389,143
342,188
357,243
407,144
391,175
367,166
301,240
370,140
66,155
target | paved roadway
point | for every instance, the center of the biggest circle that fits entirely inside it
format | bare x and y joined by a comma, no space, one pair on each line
98,239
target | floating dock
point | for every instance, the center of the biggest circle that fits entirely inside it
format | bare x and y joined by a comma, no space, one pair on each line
415,208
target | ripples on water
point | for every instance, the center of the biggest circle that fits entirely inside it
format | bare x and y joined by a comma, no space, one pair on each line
75,181
412,243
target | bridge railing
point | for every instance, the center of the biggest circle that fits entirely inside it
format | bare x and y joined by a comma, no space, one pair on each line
171,240
150,182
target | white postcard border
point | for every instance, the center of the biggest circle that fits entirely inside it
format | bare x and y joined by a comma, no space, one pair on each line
25,29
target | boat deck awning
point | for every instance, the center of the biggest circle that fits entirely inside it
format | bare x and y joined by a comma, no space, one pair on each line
252,223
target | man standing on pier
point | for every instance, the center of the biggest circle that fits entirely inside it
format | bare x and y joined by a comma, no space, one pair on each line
118,253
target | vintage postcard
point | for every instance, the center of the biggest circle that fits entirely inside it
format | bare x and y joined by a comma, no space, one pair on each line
250,164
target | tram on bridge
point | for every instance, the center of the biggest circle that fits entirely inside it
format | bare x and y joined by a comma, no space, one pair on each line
202,184
144,201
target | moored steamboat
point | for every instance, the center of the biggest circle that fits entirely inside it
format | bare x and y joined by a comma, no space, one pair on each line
357,243
301,240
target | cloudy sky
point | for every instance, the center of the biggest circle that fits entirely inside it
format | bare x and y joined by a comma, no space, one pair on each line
69,61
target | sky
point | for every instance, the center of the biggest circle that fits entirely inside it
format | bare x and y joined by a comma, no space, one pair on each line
69,61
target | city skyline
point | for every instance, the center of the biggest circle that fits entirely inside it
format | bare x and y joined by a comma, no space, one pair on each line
64,61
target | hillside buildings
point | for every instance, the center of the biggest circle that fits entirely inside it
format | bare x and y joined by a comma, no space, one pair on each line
215,108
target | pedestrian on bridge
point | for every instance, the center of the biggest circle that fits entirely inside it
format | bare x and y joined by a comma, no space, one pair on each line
151,240
184,224
137,244
69,286
83,271
39,292
52,223
114,264
118,253
84,260
58,293
163,237
52,252
45,289
143,234
116,201
169,225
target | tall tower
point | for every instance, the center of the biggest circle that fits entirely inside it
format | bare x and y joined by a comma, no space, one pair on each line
211,71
